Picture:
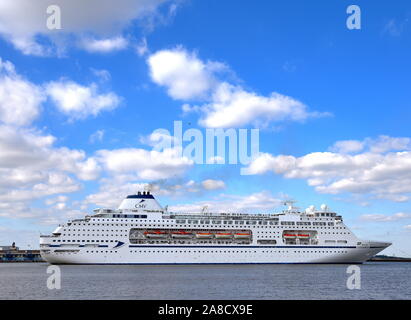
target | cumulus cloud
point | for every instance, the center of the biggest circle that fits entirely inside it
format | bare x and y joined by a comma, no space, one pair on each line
104,45
380,144
385,218
102,74
186,77
211,184
347,146
33,168
183,74
142,47
144,164
97,136
27,149
20,100
111,194
232,106
78,101
159,137
379,170
98,18
260,202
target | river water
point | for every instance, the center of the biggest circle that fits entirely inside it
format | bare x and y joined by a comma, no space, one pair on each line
379,280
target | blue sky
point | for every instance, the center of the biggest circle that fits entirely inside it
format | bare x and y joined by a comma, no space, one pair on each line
337,132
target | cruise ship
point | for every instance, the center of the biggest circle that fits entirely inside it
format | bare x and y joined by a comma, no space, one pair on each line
140,231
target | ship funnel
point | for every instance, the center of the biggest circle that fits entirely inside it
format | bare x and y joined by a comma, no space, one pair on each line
143,201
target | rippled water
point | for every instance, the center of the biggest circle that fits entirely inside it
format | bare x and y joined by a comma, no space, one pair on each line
379,280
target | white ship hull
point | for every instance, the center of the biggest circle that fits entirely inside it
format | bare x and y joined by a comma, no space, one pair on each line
217,255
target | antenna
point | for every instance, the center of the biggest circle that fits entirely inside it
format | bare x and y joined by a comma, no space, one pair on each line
290,203
204,209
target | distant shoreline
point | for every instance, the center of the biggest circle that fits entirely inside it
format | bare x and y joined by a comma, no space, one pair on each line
388,259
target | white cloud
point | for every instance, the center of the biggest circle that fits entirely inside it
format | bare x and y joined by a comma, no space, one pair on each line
385,143
102,74
347,146
111,194
385,218
142,47
55,200
20,100
186,77
32,168
97,136
104,45
385,175
232,106
54,183
80,102
380,144
28,153
211,184
143,164
159,137
92,17
182,73
261,202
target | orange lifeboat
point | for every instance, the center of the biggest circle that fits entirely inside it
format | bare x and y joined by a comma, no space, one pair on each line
223,235
204,235
181,234
155,234
289,235
242,235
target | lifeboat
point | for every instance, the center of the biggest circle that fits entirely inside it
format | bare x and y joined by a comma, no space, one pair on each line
242,235
289,235
223,235
155,234
204,235
303,235
181,234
